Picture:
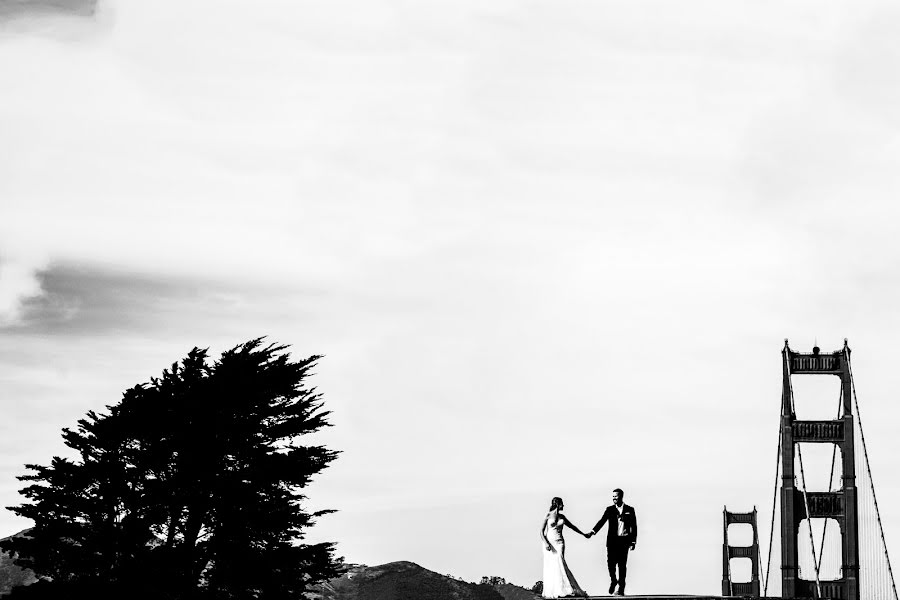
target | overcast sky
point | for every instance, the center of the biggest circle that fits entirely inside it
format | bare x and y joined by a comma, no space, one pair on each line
547,248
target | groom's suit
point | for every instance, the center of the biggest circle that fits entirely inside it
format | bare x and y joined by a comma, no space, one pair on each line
618,540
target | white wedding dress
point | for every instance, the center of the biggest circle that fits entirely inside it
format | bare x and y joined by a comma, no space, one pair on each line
558,579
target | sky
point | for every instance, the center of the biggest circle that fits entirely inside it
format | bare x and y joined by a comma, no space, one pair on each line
546,248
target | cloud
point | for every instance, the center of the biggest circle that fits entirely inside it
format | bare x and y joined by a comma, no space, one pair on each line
79,301
32,8
18,281
82,301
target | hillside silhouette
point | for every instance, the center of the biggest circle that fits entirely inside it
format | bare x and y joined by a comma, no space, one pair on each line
12,575
400,580
408,581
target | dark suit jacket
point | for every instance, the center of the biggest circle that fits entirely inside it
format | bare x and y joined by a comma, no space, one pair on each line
611,514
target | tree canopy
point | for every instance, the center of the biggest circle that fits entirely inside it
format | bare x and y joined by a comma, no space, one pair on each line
189,487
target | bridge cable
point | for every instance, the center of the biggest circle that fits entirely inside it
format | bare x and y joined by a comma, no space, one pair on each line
774,500
834,449
812,541
869,471
775,487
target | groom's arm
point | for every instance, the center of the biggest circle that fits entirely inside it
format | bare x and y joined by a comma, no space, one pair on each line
634,537
601,522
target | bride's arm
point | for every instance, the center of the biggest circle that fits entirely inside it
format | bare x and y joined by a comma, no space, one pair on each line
544,534
572,527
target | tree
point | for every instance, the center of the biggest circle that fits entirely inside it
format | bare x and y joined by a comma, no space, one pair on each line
538,588
189,487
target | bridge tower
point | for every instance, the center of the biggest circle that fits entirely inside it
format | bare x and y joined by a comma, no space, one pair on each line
740,588
798,504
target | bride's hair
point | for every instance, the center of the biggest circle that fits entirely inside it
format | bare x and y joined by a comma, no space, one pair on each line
556,503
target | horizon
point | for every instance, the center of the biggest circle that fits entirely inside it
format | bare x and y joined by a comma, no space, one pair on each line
546,249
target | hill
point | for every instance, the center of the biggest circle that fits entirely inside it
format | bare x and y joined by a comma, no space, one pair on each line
12,575
408,581
511,591
392,581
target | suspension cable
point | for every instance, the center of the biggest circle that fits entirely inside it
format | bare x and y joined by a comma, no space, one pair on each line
812,542
834,449
869,471
775,488
774,500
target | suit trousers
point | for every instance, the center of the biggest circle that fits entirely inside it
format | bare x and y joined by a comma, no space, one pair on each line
617,555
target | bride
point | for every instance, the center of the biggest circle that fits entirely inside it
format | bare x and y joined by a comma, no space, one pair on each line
558,579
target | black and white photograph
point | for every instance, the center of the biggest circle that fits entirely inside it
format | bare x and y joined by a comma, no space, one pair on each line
449,299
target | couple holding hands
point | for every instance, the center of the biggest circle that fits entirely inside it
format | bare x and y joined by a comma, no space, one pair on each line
621,536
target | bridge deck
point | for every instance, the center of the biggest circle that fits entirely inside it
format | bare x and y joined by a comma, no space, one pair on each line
679,597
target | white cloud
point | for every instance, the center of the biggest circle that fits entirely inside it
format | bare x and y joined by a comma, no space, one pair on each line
17,282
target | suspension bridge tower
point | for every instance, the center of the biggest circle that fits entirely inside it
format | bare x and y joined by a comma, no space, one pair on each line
799,504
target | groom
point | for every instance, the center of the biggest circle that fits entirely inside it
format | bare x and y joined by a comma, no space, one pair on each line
621,535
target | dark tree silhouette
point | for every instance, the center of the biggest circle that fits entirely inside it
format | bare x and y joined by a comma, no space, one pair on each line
190,487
